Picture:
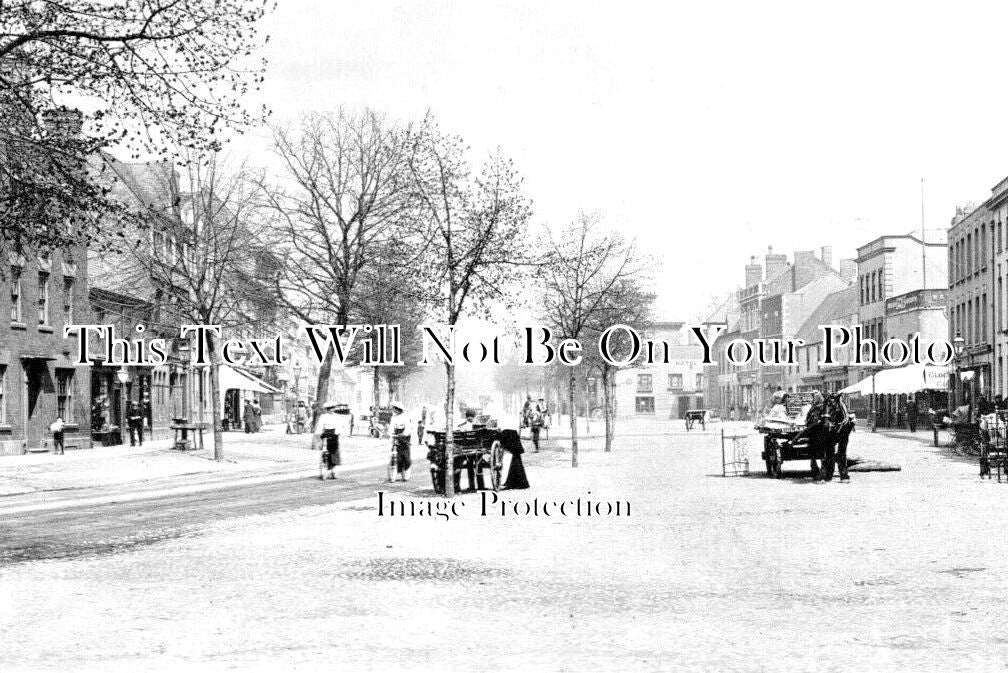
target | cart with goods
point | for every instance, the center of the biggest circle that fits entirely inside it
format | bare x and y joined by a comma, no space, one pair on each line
993,444
378,421
784,434
480,451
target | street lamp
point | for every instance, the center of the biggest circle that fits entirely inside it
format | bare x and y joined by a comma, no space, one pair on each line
123,376
958,345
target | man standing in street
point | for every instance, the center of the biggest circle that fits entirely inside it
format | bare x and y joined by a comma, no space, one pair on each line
134,417
538,420
911,413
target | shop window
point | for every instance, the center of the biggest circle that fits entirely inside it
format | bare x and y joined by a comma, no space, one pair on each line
645,405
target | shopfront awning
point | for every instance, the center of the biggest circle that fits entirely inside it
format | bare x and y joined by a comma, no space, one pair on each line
239,380
902,381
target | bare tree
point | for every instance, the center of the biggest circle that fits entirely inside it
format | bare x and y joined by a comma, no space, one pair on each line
203,260
149,76
626,304
584,267
475,230
345,199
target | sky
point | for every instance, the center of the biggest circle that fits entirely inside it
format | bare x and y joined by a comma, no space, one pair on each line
707,130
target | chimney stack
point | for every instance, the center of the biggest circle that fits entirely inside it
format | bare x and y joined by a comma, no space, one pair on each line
827,255
848,270
775,264
753,273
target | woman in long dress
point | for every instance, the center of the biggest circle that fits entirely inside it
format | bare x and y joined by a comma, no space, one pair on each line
514,476
328,429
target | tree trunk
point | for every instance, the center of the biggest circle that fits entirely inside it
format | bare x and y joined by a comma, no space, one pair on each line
587,406
375,390
449,488
218,430
607,408
322,390
573,420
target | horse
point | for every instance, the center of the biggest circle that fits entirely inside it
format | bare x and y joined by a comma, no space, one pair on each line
838,425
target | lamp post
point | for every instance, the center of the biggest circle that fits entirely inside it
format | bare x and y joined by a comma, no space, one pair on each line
123,377
959,345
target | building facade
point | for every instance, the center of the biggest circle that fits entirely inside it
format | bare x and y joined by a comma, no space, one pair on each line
669,387
39,379
972,243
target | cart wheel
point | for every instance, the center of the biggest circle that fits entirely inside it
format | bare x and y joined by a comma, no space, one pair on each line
374,433
496,464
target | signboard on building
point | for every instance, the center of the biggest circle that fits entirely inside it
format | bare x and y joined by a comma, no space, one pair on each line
916,300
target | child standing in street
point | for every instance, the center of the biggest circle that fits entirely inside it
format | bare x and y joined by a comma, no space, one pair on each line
57,432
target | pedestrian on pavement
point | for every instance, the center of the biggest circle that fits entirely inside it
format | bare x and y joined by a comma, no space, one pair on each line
526,411
328,429
256,416
57,433
248,416
421,424
134,418
912,414
400,461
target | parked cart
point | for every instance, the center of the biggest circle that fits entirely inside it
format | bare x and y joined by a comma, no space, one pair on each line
784,435
479,451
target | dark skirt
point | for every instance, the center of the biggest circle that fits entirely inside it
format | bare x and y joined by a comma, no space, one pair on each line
330,448
515,478
402,452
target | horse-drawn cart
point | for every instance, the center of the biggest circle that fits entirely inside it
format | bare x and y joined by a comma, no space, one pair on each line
784,434
480,452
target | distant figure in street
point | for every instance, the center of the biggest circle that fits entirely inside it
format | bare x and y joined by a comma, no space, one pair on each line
57,434
526,411
328,429
248,416
422,424
400,461
300,418
257,415
538,419
467,422
134,417
912,414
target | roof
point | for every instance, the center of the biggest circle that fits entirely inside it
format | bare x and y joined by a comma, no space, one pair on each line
147,182
837,306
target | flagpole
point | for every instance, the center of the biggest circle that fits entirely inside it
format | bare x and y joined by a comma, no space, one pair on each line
923,239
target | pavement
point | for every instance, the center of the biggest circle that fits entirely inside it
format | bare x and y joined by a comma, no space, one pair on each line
83,477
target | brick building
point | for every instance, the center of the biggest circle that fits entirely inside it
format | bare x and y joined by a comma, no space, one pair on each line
38,377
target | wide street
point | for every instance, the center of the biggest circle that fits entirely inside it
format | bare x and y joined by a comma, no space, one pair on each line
896,570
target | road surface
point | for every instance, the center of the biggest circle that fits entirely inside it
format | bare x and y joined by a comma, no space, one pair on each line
73,531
